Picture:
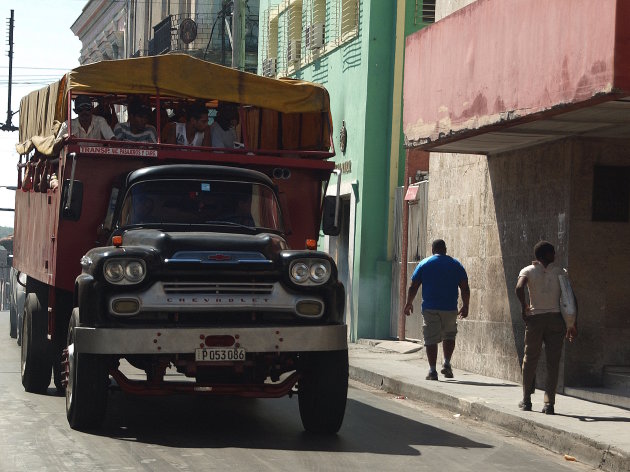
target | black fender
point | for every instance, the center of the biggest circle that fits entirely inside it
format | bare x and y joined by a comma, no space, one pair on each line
87,298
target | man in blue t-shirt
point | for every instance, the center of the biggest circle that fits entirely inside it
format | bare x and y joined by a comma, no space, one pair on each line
440,276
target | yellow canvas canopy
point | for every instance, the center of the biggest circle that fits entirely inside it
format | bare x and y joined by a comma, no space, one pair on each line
172,75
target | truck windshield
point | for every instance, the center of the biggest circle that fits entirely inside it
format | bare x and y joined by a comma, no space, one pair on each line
231,203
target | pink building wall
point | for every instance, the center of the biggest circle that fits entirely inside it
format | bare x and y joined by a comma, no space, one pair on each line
495,60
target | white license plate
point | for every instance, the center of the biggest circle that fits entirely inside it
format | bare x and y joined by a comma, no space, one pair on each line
219,354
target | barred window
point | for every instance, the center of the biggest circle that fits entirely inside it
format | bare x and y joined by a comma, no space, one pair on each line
425,11
297,32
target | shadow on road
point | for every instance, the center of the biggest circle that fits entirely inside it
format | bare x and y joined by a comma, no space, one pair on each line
482,384
209,422
587,419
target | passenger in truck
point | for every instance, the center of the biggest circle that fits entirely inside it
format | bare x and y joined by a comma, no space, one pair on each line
136,129
223,130
241,211
105,108
138,211
195,132
86,125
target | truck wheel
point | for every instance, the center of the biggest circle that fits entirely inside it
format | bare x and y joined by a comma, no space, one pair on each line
88,378
322,390
12,322
20,326
36,361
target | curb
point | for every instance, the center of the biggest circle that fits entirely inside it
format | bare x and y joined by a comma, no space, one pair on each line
585,450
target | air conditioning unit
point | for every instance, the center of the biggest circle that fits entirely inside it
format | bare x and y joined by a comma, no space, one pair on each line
269,67
315,35
294,51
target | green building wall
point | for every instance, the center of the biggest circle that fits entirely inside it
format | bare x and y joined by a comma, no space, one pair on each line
358,75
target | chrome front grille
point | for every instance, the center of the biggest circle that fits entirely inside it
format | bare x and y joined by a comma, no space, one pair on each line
216,288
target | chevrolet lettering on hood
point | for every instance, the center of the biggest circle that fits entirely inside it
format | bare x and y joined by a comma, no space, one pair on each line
217,300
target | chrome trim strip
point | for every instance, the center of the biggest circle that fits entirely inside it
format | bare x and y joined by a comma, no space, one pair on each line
219,256
216,288
186,340
197,261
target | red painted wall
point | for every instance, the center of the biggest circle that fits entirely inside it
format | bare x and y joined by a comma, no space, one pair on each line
497,60
417,160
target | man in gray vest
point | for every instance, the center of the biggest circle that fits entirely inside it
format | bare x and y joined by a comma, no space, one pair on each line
543,323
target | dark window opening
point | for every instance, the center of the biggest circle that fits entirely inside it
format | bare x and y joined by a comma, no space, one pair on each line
428,11
611,193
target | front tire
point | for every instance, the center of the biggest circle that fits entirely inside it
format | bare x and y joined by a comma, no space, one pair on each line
12,321
36,359
87,383
323,390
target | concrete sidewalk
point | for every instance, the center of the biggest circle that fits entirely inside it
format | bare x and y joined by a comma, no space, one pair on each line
595,434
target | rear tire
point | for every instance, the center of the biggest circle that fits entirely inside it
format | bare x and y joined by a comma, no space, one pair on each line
36,359
88,382
323,390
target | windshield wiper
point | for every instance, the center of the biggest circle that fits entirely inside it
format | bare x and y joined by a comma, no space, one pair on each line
230,223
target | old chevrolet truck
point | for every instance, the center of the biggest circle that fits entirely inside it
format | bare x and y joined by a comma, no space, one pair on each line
162,257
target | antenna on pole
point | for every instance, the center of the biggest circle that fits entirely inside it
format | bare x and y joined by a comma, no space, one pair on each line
8,126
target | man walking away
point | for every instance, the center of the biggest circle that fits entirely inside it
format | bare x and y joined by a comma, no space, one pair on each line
543,323
440,276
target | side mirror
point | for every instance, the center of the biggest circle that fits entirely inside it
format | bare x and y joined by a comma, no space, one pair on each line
72,200
331,217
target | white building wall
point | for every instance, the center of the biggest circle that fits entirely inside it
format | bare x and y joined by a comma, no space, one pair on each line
101,29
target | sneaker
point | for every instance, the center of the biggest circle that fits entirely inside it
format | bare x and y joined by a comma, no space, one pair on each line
548,409
432,375
525,405
447,371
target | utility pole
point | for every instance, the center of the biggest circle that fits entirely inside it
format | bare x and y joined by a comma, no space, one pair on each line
8,126
238,35
224,7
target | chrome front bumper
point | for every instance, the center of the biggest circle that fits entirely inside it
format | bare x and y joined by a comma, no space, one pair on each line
186,340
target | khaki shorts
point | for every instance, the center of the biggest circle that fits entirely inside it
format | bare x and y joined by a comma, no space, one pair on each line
438,325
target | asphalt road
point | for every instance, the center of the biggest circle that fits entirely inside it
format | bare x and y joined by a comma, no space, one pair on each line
183,433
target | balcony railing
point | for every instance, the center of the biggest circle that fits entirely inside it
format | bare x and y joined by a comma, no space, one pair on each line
207,38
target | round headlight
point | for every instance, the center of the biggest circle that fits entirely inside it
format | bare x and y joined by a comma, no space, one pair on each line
134,271
114,271
299,272
319,272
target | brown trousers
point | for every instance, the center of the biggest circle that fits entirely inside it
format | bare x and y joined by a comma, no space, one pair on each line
550,329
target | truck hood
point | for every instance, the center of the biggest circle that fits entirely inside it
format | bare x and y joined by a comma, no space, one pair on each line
170,243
